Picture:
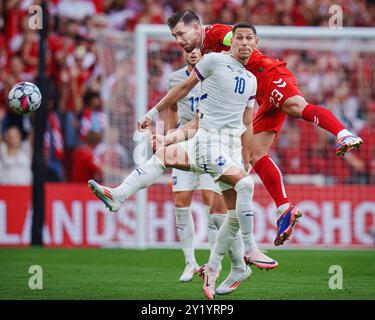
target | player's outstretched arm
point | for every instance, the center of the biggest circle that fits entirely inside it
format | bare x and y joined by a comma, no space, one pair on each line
172,119
247,136
175,94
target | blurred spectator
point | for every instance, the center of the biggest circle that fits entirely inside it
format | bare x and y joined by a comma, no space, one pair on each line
13,75
93,117
73,78
15,159
85,165
293,159
112,153
363,160
54,145
76,9
151,13
30,51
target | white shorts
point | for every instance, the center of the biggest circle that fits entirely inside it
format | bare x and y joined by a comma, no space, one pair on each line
213,153
189,181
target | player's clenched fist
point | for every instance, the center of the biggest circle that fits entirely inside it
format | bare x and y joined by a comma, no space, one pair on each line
144,123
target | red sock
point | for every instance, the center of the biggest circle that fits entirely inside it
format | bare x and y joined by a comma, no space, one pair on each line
322,117
272,179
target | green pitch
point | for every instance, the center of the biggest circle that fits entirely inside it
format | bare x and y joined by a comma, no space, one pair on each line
153,274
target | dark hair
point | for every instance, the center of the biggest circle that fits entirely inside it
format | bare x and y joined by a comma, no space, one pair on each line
243,24
186,16
90,95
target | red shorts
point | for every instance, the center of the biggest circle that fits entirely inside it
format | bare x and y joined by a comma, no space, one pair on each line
274,88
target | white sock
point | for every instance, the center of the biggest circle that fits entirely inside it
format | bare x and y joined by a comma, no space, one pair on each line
139,178
224,241
252,245
282,208
235,252
218,219
185,231
343,133
245,212
211,227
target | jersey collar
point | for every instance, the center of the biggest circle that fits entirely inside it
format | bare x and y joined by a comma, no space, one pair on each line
187,71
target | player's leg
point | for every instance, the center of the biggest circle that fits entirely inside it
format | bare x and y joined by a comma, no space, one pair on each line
228,235
296,106
267,170
228,231
216,213
214,207
237,218
217,216
142,177
275,89
208,200
216,210
185,232
183,185
243,184
251,252
272,179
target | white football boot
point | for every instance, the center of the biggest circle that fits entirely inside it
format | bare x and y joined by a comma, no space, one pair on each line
209,281
106,195
260,260
233,281
189,271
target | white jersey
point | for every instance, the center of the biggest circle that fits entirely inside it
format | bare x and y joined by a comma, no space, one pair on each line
187,106
227,89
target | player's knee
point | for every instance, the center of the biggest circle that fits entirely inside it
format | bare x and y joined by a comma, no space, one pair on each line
255,156
218,207
207,197
181,203
294,106
245,185
182,199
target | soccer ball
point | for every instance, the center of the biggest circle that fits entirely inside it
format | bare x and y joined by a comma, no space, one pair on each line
24,98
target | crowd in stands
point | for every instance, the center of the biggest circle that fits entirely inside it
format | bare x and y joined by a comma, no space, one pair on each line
73,143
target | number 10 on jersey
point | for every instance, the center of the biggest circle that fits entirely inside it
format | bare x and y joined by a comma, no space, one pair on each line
240,85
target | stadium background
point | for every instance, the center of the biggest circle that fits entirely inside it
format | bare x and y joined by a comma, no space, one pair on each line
91,103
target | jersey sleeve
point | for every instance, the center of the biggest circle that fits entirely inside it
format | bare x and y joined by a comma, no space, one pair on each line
171,81
205,66
223,33
253,93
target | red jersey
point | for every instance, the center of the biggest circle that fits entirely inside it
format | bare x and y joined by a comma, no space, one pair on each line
84,165
216,38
